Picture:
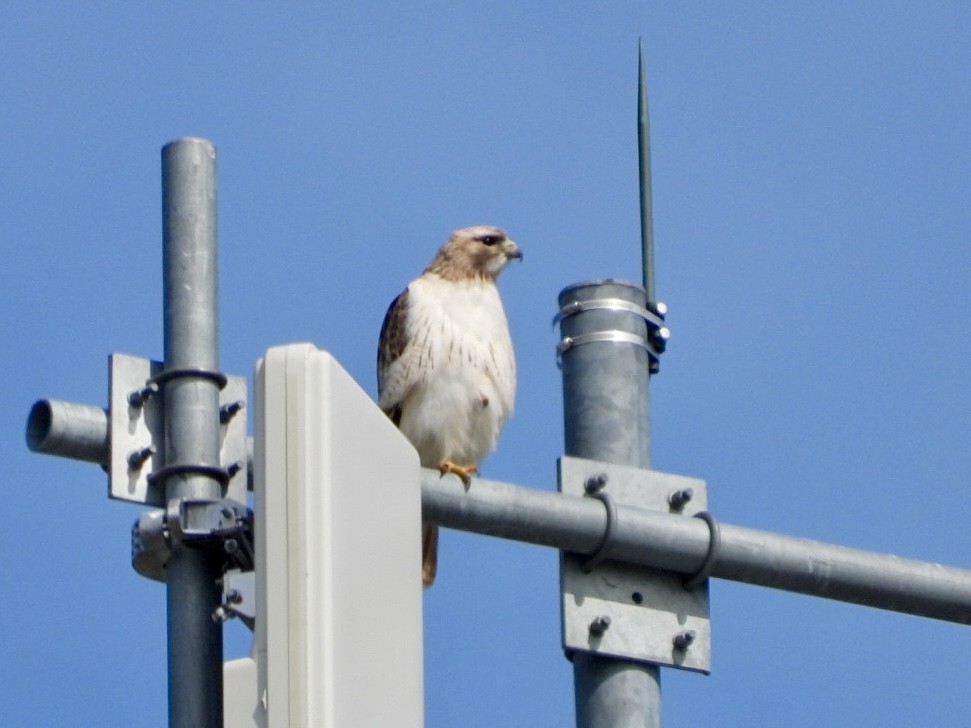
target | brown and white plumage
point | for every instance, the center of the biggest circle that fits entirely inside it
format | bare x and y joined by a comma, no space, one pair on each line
446,370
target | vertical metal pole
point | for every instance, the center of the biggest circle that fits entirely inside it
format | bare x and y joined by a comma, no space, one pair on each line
606,417
191,404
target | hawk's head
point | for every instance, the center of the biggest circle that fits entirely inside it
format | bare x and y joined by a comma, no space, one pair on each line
481,251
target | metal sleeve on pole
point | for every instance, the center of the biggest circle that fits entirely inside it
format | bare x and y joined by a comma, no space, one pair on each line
606,406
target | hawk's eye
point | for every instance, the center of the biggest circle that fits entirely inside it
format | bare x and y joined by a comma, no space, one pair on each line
490,239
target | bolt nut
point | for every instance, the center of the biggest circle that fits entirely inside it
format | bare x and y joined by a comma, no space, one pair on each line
595,483
137,458
227,411
138,397
679,498
599,625
683,640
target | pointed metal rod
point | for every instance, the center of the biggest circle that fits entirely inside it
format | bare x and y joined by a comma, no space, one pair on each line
644,167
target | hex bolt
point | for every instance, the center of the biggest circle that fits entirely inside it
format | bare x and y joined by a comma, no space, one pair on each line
683,640
231,546
224,613
595,483
234,468
599,625
661,307
138,397
679,498
137,458
228,411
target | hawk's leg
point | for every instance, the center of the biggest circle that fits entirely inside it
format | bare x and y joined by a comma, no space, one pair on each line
463,471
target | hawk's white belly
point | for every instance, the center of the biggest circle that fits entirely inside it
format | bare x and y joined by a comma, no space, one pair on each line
460,345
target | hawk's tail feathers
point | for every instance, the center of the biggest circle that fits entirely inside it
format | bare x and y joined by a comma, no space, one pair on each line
429,555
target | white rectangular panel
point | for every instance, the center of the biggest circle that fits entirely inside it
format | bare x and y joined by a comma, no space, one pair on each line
240,707
338,639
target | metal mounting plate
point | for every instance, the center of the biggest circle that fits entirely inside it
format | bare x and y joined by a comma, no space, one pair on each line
135,429
647,609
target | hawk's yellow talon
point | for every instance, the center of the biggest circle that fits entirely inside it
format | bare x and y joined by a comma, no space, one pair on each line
463,471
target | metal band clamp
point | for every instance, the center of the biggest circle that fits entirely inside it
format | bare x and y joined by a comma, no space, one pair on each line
598,556
212,471
613,336
218,377
657,335
654,318
714,545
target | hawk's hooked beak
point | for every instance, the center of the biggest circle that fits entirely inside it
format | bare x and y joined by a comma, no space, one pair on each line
511,250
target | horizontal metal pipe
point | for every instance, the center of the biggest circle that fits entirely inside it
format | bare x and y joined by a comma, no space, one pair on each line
849,575
70,430
678,543
507,511
648,538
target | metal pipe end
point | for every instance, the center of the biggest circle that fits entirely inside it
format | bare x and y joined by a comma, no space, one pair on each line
70,430
39,425
191,140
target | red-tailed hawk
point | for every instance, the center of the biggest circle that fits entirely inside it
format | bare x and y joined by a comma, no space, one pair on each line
446,370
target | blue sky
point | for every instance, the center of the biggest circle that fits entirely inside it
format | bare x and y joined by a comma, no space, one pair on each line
812,170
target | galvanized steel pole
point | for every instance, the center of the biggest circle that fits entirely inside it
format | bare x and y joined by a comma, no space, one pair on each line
606,411
190,389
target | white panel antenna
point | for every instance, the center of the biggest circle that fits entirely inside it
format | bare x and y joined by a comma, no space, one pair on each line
338,637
